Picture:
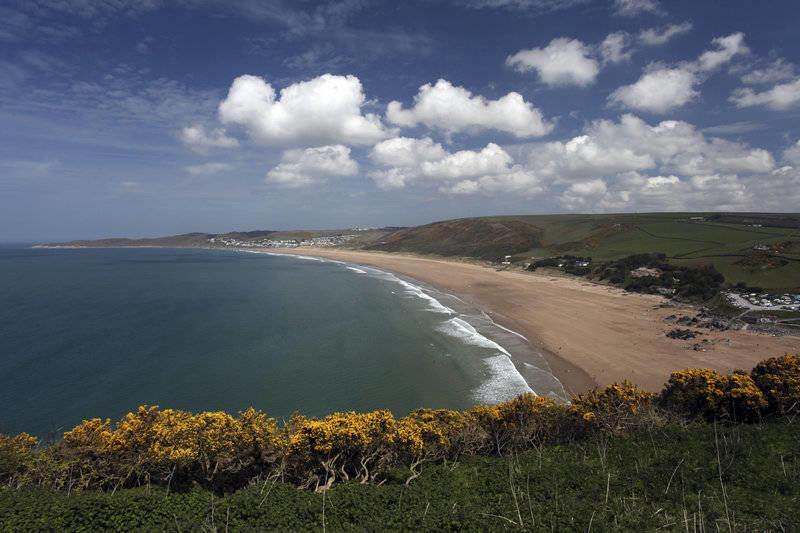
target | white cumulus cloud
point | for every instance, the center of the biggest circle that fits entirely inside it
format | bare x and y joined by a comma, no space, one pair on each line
323,110
614,48
562,62
657,91
407,160
779,97
454,109
668,147
201,140
778,70
299,168
725,49
661,89
792,154
406,152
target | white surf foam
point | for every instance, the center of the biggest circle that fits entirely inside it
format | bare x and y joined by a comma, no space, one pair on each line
462,329
357,270
505,381
433,304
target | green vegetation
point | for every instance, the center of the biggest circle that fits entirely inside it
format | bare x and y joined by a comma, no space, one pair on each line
472,237
727,241
698,477
157,465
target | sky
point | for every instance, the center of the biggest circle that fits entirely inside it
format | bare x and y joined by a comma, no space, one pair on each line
156,117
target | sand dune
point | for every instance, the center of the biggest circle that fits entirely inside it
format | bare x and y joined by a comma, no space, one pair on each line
590,334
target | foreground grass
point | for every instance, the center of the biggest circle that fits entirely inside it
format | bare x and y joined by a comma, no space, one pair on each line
701,477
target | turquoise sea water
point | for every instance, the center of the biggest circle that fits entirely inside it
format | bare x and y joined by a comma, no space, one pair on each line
97,332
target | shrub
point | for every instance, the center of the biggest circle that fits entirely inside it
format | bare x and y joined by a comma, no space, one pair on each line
428,435
150,443
15,455
779,380
616,407
704,392
527,420
342,445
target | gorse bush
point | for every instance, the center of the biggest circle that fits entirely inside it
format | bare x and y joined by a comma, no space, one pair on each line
779,380
223,452
706,393
617,407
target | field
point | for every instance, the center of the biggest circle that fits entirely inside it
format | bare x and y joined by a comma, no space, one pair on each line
699,477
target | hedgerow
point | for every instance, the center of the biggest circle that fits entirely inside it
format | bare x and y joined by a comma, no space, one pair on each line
222,452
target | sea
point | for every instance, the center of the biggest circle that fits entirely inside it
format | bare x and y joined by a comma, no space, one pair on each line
95,333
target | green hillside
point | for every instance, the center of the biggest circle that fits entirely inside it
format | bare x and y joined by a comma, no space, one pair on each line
699,477
725,240
485,238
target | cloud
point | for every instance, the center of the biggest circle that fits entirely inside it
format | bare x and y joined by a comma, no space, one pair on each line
661,89
208,168
792,154
635,192
780,97
406,152
778,70
613,48
200,140
562,62
658,36
734,128
407,160
634,8
608,148
454,109
584,195
299,168
324,110
726,48
657,91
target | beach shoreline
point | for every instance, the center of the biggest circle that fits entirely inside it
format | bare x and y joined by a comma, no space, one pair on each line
590,335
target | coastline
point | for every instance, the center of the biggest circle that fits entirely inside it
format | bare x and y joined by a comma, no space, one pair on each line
590,335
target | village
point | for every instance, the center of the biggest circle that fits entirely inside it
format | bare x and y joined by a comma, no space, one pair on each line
327,241
764,302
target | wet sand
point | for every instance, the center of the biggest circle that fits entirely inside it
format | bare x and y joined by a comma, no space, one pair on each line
589,334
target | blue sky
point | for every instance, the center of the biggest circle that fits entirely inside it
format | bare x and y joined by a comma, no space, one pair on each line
155,117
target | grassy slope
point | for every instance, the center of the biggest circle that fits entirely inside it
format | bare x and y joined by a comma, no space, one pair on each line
470,237
669,478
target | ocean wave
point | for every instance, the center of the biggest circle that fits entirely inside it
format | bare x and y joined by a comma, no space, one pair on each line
462,329
504,383
357,270
433,304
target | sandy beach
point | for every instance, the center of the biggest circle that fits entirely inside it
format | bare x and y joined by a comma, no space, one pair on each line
590,334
